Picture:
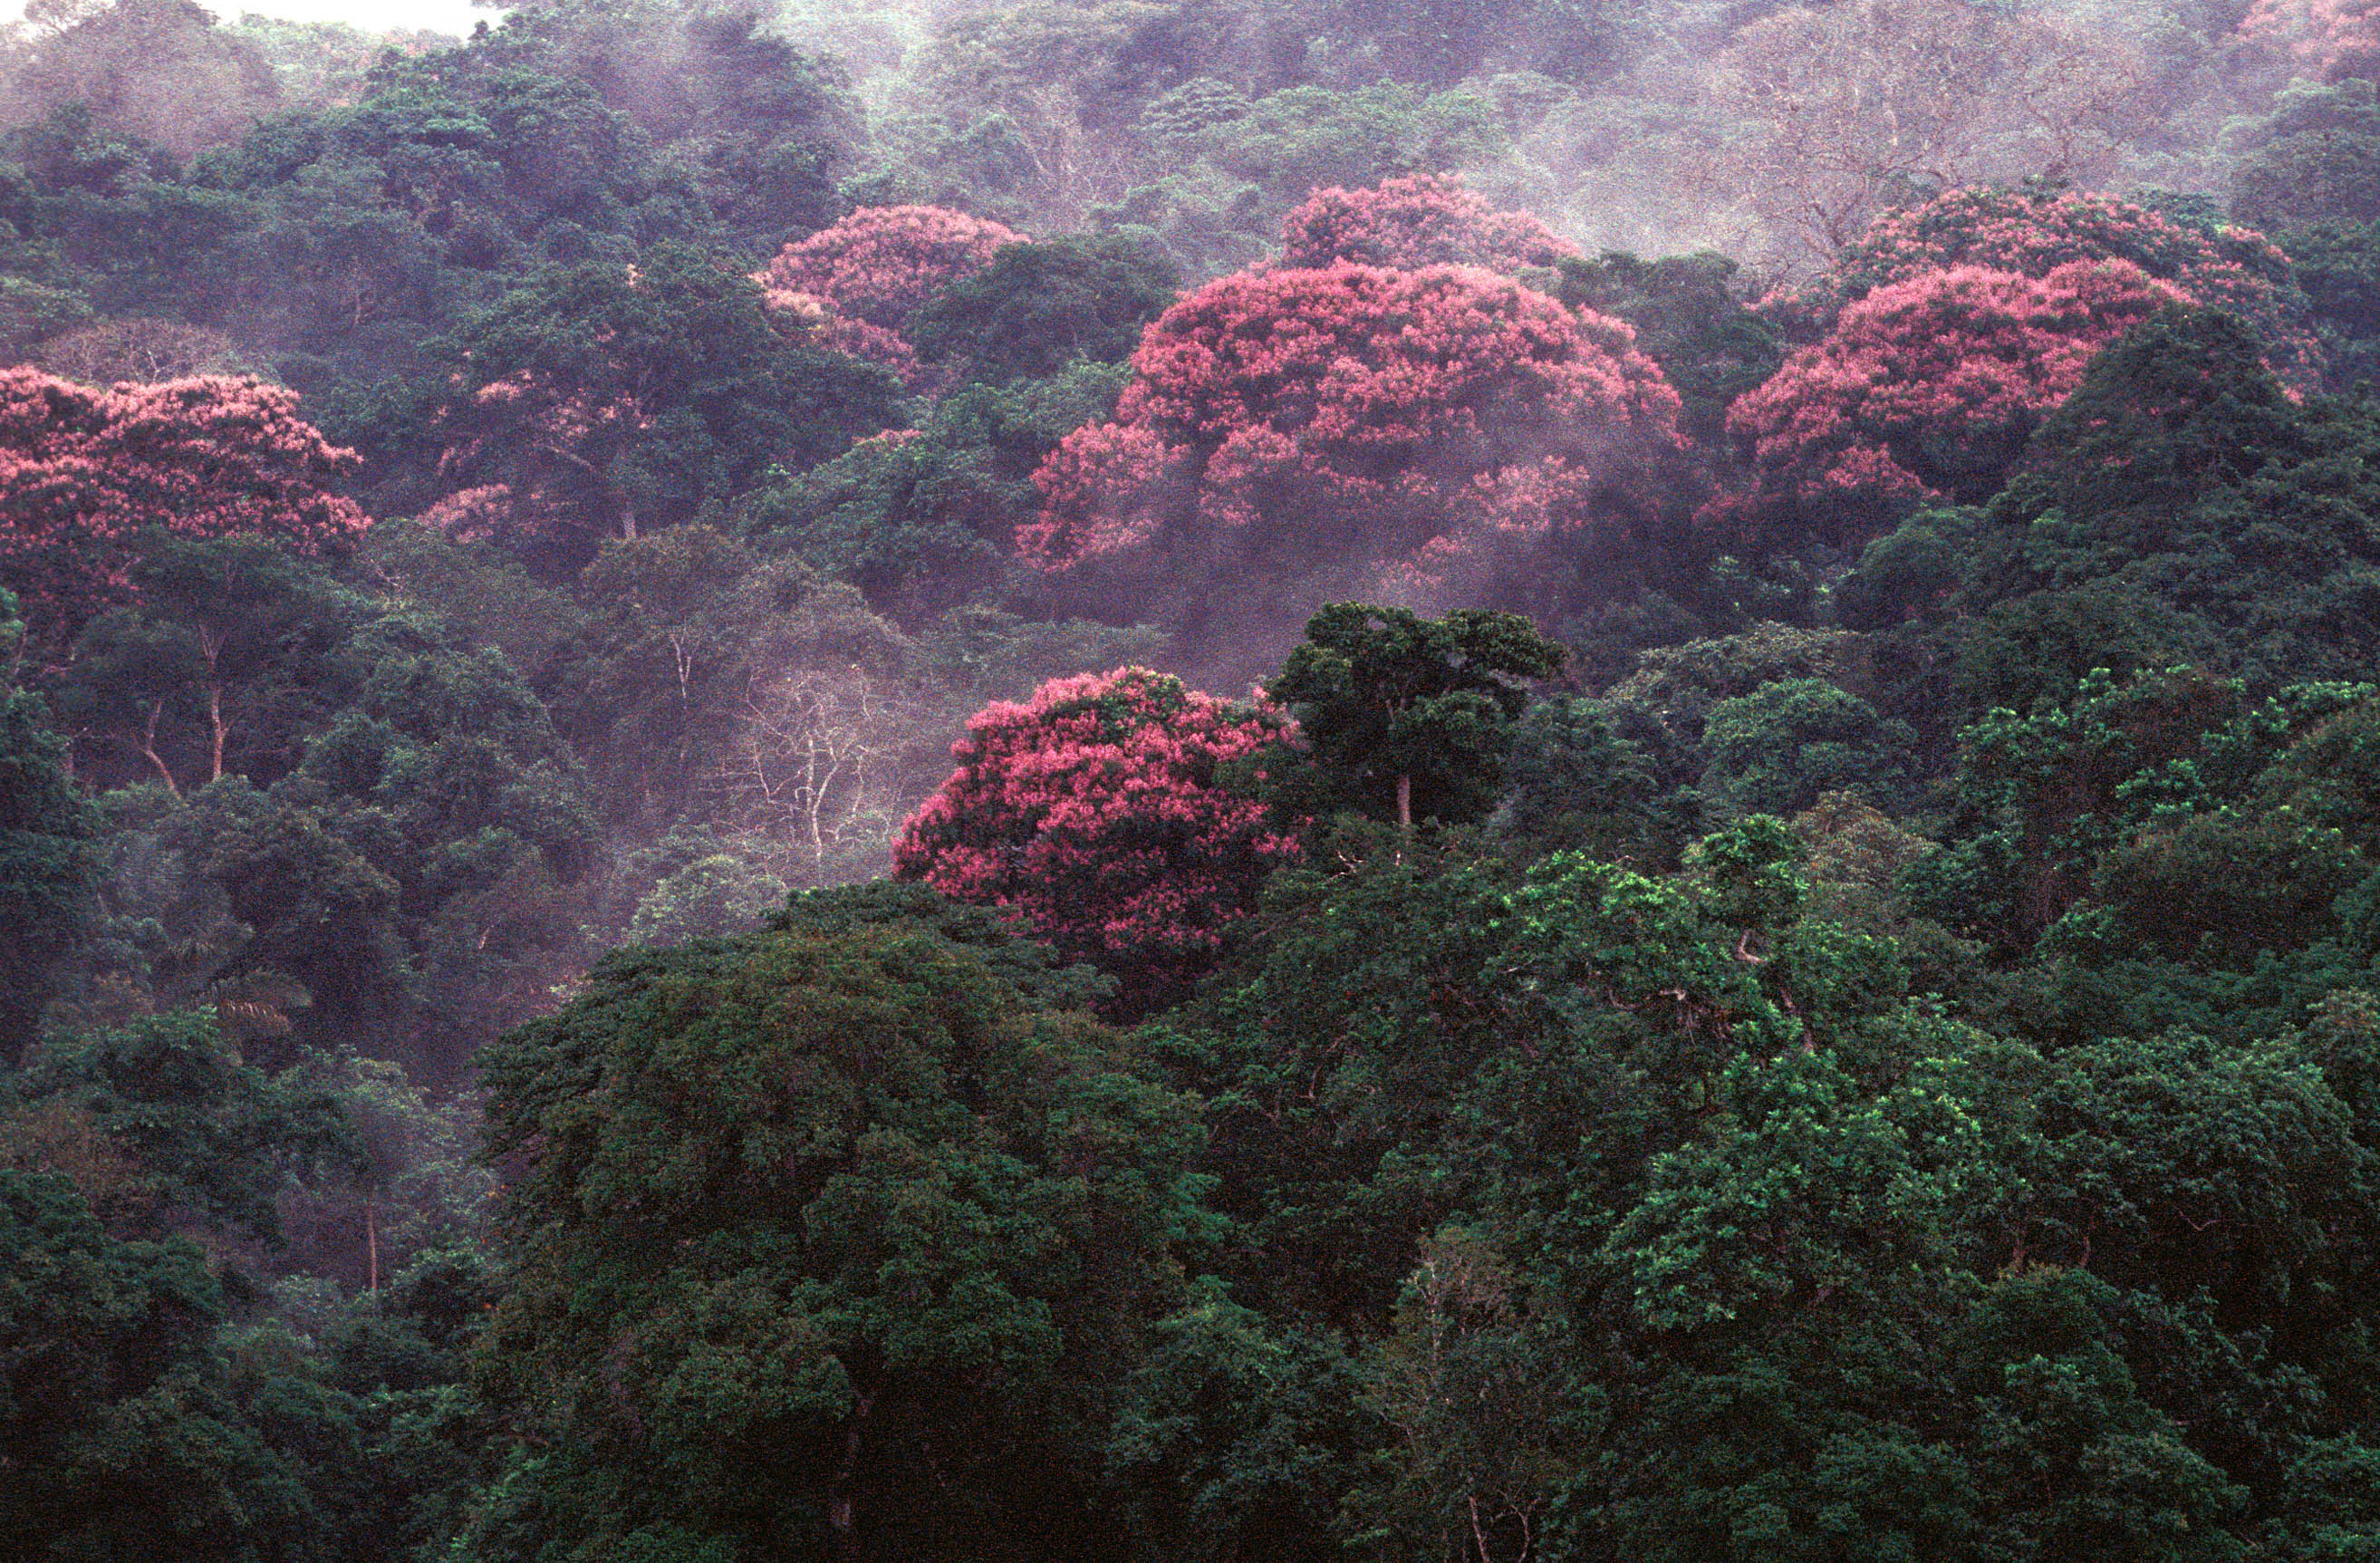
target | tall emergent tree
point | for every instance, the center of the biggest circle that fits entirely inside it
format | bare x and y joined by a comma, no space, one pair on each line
1404,717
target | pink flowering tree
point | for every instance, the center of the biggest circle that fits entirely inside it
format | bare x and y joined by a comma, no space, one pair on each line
1357,430
851,285
1925,389
882,262
563,448
1420,219
808,315
2330,39
2036,232
1094,810
83,471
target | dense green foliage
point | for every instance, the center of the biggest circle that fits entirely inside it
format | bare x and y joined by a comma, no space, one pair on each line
1798,980
920,1215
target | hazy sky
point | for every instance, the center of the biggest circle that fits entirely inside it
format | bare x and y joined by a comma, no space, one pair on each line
444,15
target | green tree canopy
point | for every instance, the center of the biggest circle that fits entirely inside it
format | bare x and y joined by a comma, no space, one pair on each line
835,1237
1405,717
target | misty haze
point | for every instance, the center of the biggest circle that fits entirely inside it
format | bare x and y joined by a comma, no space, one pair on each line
1190,782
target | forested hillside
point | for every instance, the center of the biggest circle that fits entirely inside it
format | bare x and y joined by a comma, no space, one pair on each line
1192,782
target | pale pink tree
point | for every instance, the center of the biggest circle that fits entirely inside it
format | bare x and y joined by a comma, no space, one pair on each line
480,515
808,314
1095,810
1361,425
852,284
562,449
83,472
2325,38
882,262
1420,219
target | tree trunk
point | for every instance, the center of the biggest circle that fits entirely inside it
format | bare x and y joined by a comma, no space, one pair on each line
149,749
838,1503
222,730
1404,804
210,645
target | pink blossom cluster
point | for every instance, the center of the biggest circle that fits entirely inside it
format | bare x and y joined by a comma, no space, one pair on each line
480,515
882,262
2036,232
1928,387
564,419
851,285
82,470
547,441
1360,413
873,344
1417,220
2333,38
1093,810
816,318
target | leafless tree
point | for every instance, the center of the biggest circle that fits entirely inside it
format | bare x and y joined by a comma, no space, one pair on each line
815,765
161,70
140,348
1834,115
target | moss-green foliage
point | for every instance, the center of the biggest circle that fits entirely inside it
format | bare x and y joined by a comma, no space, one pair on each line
1740,1229
1709,344
1575,781
1041,308
204,1136
837,1236
2314,158
1777,748
926,523
150,1404
1858,1051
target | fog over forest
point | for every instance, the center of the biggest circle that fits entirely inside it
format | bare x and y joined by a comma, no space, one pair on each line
1191,782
